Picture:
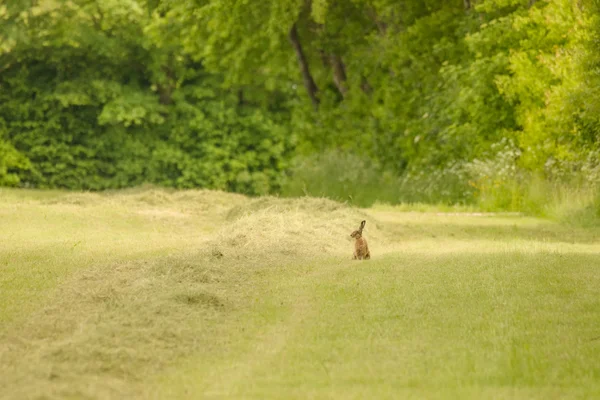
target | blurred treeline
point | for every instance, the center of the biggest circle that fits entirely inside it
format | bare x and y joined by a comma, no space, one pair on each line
451,101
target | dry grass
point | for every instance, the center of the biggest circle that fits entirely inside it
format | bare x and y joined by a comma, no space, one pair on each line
126,283
158,294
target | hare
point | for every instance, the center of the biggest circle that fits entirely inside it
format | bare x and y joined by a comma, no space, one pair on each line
361,249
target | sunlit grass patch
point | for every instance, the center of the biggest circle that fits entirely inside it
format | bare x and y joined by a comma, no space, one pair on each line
162,294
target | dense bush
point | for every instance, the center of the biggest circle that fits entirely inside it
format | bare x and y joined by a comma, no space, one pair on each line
12,164
91,99
487,102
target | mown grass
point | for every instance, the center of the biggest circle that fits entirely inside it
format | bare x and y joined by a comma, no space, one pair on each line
197,294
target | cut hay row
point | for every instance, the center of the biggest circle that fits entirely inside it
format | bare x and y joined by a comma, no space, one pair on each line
197,294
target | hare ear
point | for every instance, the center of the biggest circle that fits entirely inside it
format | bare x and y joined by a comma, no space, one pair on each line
362,225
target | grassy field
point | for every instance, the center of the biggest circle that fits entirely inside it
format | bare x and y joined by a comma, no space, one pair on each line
198,294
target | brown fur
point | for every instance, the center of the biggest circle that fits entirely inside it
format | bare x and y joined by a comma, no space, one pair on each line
361,249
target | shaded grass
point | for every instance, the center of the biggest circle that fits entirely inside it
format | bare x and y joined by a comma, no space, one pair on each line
202,294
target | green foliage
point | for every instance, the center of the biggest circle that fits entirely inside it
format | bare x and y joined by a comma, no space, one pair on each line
11,164
97,97
426,96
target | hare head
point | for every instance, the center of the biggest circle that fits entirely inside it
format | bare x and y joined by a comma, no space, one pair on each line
358,233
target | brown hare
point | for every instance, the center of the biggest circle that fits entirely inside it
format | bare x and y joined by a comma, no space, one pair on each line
361,249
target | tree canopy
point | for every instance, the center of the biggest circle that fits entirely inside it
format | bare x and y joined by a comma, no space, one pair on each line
223,93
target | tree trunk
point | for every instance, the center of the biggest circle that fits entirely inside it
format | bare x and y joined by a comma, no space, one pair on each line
324,59
467,4
309,83
365,86
381,26
339,74
240,96
339,70
166,88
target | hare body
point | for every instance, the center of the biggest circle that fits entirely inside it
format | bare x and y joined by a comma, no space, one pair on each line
361,249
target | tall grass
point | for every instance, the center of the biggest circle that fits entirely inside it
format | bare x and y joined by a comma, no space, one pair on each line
566,192
565,202
494,184
360,181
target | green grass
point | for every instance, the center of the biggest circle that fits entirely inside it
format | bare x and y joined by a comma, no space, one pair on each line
198,294
360,181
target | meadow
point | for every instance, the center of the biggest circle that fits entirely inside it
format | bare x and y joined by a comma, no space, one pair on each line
149,293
